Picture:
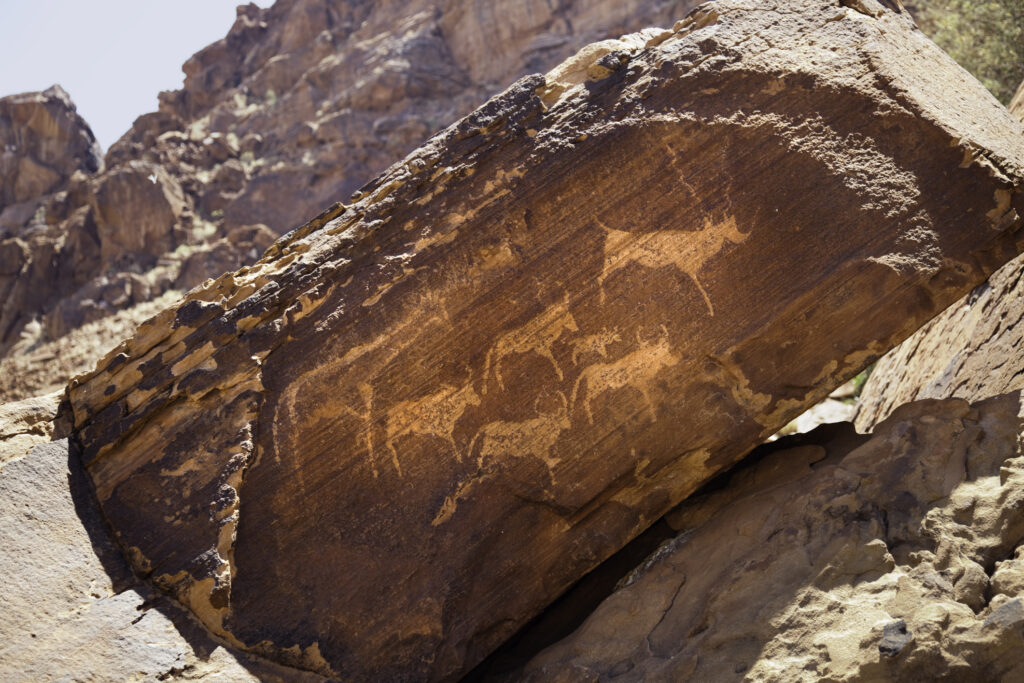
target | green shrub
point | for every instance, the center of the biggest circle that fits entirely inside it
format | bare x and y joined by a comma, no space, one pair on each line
985,36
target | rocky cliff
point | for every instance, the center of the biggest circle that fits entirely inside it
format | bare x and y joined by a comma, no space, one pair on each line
543,329
299,105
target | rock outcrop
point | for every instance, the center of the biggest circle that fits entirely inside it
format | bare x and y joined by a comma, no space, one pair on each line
833,556
43,141
301,103
973,350
385,446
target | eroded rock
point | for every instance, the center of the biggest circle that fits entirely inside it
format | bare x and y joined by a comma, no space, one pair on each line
419,418
833,556
973,350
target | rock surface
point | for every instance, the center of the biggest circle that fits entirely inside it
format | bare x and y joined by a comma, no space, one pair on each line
973,350
833,556
72,610
1017,104
300,104
23,424
418,419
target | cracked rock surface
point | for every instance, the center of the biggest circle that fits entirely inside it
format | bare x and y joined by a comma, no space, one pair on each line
381,449
833,556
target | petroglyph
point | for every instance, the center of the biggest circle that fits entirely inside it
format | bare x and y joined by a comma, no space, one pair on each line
687,251
594,343
733,377
637,369
533,437
538,335
498,440
366,393
374,355
432,415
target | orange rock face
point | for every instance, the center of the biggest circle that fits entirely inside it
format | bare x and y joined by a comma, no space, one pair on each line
381,449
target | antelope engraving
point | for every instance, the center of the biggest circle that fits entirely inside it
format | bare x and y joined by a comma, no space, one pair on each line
686,251
533,437
594,343
637,369
432,415
538,335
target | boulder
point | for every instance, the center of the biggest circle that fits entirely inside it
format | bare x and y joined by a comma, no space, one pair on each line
973,350
43,141
136,208
72,610
831,556
380,450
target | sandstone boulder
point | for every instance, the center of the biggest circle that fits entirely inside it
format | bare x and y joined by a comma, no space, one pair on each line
832,556
136,208
418,419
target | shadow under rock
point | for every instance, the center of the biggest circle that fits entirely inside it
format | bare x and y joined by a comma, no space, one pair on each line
572,608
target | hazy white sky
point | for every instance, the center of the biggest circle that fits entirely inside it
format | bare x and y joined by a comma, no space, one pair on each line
112,56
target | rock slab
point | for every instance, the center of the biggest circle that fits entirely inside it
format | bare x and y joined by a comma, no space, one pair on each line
381,449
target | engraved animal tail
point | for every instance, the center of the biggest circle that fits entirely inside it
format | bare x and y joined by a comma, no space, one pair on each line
575,393
472,443
703,293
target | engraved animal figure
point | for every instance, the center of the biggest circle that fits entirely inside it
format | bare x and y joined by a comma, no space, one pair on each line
432,415
594,343
686,251
538,335
533,437
637,369
366,433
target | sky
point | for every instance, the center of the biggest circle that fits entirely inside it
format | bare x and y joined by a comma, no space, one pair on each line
111,56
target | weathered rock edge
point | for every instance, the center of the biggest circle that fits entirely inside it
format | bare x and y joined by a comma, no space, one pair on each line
543,329
972,350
